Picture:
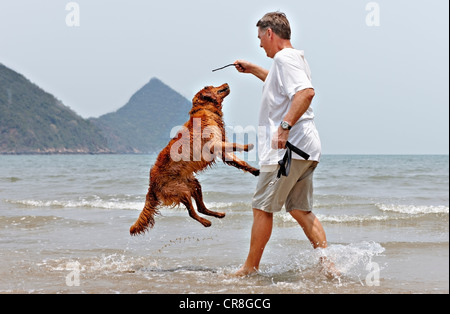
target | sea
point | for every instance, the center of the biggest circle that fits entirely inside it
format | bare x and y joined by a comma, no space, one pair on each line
65,219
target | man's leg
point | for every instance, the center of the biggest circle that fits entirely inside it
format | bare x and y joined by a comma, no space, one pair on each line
311,226
316,234
261,231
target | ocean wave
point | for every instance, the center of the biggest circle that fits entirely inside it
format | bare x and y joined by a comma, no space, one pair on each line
27,222
83,203
97,202
341,219
388,211
10,179
350,218
413,209
397,215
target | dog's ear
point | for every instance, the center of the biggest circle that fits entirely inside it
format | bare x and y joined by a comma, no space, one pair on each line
208,97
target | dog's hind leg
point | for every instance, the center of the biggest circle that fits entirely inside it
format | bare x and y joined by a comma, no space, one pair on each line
198,197
188,203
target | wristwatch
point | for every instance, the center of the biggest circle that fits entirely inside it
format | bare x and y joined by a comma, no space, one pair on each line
285,125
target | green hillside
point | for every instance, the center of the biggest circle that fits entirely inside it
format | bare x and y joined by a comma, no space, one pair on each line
34,121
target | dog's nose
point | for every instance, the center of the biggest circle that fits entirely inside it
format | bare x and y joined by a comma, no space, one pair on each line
224,88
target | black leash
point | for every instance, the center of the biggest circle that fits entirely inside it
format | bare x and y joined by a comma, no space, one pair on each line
285,163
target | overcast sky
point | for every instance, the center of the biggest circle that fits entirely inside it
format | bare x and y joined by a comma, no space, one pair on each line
381,88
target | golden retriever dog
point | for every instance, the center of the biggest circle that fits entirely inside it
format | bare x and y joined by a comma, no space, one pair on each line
196,146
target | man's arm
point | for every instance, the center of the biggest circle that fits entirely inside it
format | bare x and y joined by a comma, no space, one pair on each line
300,103
247,67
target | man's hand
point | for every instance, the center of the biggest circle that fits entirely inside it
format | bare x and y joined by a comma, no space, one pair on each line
243,66
280,138
247,67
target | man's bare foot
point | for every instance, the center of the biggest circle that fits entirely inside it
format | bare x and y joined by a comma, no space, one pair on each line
244,271
329,269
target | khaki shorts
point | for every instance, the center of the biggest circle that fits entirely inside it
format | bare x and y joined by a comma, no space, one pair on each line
294,191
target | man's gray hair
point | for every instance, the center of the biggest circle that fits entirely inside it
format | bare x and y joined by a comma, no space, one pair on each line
278,22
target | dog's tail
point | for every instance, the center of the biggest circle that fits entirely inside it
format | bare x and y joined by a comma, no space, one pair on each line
146,218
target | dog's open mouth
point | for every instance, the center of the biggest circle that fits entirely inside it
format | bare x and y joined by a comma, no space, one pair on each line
224,90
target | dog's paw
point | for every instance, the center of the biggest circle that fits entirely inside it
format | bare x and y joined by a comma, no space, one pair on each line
248,147
220,215
205,222
255,172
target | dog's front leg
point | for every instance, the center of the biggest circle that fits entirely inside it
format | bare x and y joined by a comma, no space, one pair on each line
230,159
219,148
227,147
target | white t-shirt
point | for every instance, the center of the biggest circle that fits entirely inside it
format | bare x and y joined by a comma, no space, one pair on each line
289,74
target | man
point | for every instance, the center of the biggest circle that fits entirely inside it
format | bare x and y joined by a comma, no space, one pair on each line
285,114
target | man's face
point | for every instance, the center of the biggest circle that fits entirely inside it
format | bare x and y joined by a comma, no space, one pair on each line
266,42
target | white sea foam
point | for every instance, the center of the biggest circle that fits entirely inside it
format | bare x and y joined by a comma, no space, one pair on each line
413,209
349,258
353,218
116,203
82,203
287,218
112,203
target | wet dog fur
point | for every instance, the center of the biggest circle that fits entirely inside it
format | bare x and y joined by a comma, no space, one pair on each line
172,182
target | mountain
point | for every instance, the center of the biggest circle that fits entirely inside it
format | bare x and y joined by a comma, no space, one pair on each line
34,121
143,125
